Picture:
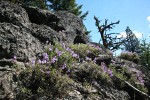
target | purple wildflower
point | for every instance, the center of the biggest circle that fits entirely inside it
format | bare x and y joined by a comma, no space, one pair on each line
97,47
15,57
71,51
141,80
106,70
59,53
48,72
43,61
33,62
95,59
39,61
68,49
74,55
103,64
110,73
50,48
88,59
54,59
64,66
63,45
45,56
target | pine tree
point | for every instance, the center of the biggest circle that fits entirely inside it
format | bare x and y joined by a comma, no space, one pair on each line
145,53
132,43
67,5
55,5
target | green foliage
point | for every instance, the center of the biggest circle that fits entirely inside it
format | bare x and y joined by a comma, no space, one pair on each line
132,43
49,77
130,56
131,75
87,50
67,5
89,71
54,72
35,81
145,54
55,5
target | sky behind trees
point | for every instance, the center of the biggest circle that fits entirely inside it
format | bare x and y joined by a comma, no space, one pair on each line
132,13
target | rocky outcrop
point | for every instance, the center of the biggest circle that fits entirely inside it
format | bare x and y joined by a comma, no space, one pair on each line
25,32
63,21
11,13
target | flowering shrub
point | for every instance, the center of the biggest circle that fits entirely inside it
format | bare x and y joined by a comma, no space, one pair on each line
131,75
52,69
87,51
106,69
63,64
131,56
137,75
45,81
88,72
137,79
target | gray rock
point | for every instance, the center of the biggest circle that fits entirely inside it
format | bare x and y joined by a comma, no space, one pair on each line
17,41
72,25
23,39
12,13
59,21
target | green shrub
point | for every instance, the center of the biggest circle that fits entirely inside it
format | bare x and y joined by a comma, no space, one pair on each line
145,54
88,50
130,56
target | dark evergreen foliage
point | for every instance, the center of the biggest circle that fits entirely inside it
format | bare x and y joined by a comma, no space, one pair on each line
68,5
55,5
132,43
145,54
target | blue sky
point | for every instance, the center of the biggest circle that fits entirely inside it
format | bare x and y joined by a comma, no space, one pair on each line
132,13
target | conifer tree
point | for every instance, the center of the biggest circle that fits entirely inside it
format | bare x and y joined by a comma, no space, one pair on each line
54,5
68,5
132,43
145,53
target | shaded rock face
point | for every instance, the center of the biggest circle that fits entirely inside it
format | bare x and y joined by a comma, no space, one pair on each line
12,13
16,41
59,21
24,31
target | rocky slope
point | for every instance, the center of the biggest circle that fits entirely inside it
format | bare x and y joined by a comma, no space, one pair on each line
47,56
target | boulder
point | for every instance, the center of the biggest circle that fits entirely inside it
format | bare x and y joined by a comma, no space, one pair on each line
59,21
12,13
18,41
25,31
